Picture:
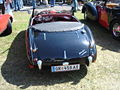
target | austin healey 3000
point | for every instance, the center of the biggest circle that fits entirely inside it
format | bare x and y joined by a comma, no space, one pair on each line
59,41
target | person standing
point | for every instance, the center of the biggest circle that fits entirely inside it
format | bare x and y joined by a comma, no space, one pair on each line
52,2
34,3
46,2
2,7
75,6
8,9
80,3
21,4
17,5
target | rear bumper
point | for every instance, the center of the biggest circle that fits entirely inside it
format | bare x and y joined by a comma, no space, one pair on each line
60,62
83,61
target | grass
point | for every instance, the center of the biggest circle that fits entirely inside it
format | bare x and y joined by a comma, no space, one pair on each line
104,74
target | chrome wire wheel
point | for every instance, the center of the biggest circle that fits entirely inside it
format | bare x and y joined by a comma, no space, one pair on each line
116,30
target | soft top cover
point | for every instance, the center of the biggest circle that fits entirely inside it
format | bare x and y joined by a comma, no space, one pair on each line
57,26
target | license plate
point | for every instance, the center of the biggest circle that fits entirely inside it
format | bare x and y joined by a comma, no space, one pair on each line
65,68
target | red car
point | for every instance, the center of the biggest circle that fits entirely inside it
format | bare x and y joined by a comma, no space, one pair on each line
106,13
5,24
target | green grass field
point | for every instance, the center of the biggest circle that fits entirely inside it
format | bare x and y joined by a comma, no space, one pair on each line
104,74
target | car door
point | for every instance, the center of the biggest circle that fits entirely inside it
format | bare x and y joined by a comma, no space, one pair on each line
103,16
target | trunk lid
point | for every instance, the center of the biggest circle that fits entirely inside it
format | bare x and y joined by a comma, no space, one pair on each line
64,45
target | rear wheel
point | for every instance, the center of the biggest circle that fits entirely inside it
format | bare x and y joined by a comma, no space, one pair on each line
115,29
8,29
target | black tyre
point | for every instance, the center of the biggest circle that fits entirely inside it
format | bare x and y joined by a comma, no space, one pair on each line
8,29
115,29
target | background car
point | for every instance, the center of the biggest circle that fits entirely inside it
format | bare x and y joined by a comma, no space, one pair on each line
5,24
106,13
59,41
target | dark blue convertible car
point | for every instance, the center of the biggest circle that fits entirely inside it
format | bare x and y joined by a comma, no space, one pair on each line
59,41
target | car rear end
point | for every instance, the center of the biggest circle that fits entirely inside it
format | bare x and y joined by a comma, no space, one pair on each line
60,50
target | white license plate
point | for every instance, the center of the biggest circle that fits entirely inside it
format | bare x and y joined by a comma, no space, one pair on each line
65,68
